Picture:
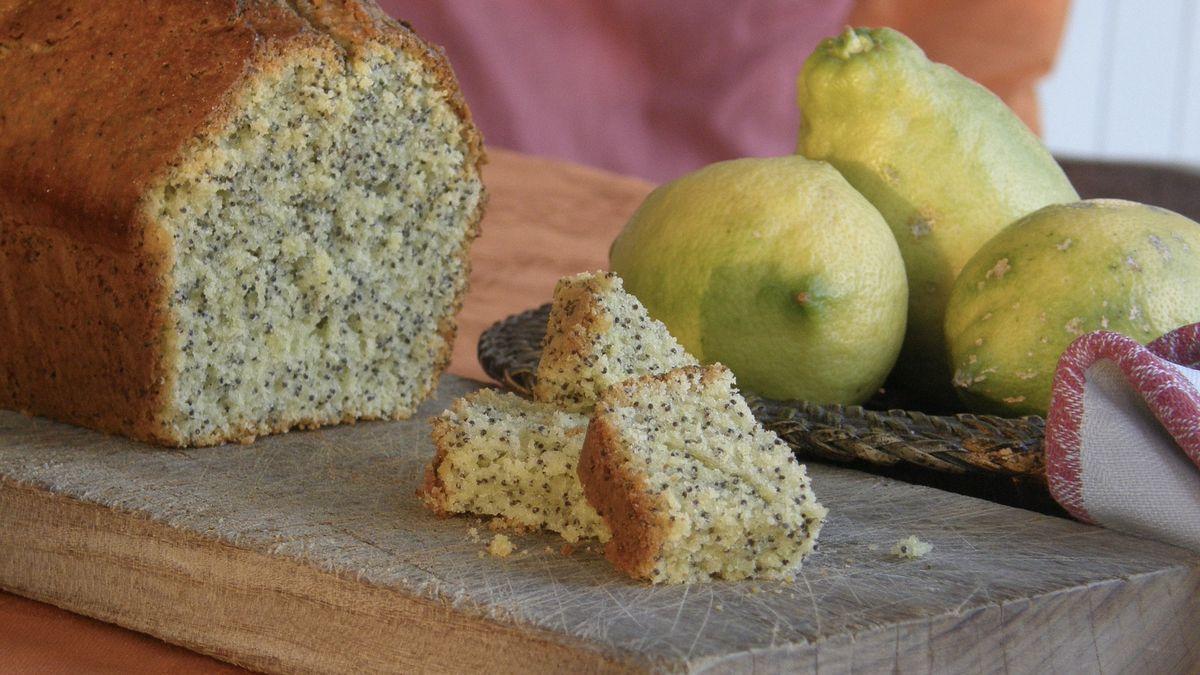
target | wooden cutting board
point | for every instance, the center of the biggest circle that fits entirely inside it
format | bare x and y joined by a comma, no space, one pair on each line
309,551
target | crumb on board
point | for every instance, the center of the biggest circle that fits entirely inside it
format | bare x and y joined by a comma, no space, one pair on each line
500,546
911,548
473,534
566,549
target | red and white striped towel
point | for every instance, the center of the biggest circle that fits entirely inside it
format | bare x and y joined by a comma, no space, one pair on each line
1123,434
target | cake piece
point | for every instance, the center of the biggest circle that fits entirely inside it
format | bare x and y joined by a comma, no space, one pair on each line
227,218
910,547
501,455
692,486
597,336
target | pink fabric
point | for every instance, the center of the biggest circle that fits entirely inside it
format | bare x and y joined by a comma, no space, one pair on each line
1123,434
651,88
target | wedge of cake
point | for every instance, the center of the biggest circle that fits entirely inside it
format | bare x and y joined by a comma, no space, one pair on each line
226,219
690,484
503,456
597,336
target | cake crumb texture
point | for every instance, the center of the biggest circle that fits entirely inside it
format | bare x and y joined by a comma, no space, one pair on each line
691,486
599,335
322,245
500,455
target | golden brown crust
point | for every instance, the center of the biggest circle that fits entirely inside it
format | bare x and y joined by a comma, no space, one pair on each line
111,94
78,156
637,518
433,490
115,382
572,323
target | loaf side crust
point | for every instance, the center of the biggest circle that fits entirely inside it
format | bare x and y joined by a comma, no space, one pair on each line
433,491
636,517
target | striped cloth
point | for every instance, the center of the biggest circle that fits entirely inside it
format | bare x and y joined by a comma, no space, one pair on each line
1123,434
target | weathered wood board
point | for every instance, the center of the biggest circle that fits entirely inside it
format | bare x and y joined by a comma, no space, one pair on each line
309,551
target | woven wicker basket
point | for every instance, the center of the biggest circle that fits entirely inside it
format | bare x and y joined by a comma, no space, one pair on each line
993,457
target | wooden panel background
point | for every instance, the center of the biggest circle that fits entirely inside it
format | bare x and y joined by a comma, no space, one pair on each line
1127,82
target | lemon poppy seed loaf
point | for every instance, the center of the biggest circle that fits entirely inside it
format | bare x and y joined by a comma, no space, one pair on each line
221,219
599,335
501,455
691,486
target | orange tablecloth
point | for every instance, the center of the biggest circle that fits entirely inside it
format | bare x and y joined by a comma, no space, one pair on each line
527,244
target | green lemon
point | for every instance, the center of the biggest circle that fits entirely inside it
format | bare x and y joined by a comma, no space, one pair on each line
945,161
1056,274
775,267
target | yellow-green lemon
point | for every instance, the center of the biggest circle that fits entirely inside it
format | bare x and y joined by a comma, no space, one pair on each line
945,161
775,267
1056,274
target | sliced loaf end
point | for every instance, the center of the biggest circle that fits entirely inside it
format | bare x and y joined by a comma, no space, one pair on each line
320,236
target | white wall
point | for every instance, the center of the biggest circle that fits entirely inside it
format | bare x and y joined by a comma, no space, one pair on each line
1127,82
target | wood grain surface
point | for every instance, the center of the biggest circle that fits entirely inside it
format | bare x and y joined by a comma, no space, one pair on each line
310,552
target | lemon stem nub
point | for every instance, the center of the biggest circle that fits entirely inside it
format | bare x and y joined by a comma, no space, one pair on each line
853,42
802,298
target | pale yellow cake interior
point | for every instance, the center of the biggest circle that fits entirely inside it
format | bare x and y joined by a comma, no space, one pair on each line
597,336
514,459
318,241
